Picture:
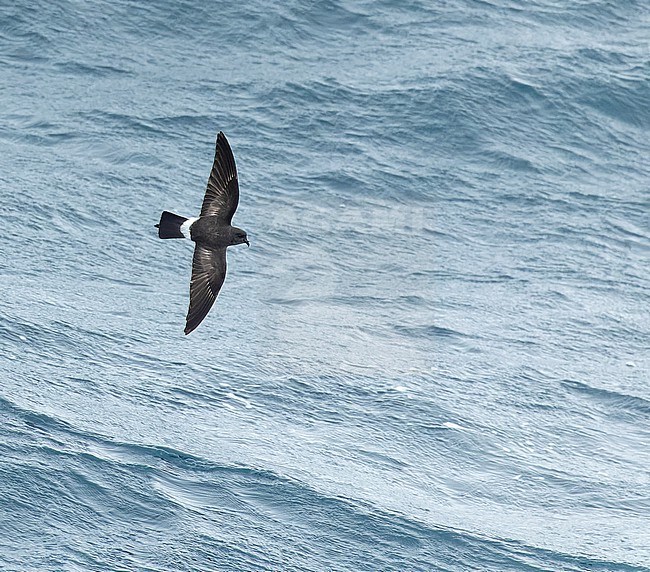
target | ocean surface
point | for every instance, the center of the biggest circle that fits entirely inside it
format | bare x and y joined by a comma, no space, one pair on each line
435,354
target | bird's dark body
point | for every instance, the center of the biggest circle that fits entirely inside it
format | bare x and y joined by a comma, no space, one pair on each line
211,232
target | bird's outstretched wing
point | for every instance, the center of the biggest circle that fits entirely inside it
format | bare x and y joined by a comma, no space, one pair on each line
222,195
208,274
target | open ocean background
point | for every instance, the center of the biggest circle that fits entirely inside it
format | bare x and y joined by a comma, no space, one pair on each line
433,357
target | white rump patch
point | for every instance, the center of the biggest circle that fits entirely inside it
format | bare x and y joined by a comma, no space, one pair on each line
185,227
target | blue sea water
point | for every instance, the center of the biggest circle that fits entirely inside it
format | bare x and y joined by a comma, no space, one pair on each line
433,357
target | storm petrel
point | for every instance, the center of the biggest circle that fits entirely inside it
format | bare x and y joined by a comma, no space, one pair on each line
211,231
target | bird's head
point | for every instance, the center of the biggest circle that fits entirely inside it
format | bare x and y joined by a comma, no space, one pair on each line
239,237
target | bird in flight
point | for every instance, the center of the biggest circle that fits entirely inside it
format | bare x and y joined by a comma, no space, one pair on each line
211,231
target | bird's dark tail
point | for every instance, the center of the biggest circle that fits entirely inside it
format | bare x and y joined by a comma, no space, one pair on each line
170,225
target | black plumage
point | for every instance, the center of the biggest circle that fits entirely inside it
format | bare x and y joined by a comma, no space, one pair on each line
211,231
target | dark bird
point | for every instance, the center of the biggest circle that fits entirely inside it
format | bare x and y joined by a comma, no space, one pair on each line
211,231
